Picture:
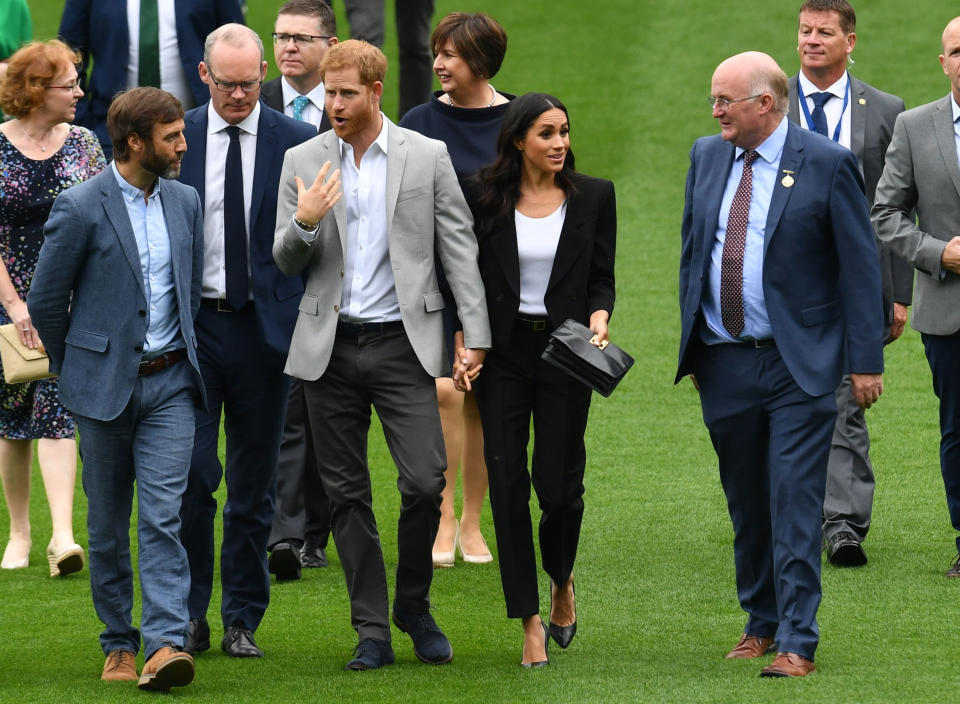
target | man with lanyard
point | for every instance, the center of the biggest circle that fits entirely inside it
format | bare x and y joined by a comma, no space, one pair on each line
825,98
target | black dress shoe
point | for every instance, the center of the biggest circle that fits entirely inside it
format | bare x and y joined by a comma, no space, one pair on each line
371,654
198,636
844,550
563,635
285,562
238,642
312,555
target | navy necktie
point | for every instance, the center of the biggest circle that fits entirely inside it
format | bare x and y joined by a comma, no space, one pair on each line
819,116
234,227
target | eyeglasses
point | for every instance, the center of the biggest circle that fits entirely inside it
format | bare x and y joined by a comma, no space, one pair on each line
298,39
231,86
72,87
725,103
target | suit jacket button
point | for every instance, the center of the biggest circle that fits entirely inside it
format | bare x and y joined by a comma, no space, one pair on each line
341,273
142,313
138,348
336,309
499,297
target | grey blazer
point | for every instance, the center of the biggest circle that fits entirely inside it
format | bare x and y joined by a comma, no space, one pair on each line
922,173
427,217
872,116
87,299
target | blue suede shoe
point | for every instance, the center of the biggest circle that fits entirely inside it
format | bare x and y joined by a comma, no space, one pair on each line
370,654
429,643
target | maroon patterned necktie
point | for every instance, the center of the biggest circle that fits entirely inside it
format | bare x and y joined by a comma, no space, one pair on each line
731,269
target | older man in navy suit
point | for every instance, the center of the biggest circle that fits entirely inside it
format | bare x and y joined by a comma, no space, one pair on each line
780,295
246,320
114,297
140,43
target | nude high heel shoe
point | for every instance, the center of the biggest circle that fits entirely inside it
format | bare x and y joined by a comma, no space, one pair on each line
64,560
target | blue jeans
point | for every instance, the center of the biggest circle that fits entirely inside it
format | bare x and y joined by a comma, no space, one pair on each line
149,443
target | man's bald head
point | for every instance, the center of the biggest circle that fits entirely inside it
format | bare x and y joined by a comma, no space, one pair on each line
950,58
750,94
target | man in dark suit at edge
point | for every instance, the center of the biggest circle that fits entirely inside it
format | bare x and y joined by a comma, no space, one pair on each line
859,117
780,295
247,313
140,43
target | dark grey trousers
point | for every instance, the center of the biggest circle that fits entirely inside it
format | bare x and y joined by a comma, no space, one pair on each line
379,370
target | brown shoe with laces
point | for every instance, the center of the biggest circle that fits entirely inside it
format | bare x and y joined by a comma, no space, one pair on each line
788,665
954,570
750,647
167,668
121,666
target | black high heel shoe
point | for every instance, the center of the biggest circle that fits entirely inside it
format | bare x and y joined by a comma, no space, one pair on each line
563,635
546,648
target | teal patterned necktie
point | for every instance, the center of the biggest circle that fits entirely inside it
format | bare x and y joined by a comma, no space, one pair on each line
299,103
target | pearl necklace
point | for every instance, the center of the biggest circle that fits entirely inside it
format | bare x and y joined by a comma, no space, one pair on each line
26,134
493,98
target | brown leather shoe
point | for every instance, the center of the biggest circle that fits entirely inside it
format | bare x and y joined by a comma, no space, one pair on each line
121,666
167,668
750,647
788,665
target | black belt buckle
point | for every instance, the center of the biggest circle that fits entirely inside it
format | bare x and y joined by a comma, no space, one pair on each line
224,307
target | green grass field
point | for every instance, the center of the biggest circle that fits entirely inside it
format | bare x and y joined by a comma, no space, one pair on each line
657,607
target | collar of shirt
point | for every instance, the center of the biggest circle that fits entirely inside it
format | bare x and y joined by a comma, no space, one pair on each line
837,90
316,96
954,107
346,150
772,147
215,123
130,192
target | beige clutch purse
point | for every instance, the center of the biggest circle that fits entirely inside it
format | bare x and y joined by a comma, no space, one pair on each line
21,364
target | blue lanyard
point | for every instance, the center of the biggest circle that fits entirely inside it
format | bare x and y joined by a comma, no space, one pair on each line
806,111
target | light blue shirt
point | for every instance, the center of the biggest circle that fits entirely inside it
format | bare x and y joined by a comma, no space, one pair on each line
153,244
765,171
956,125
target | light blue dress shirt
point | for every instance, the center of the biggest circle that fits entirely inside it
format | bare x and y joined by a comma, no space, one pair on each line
153,244
765,171
956,125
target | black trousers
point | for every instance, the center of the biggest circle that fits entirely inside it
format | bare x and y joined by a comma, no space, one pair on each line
303,510
379,369
515,384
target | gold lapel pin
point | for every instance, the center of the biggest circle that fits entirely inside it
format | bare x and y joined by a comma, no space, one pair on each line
787,180
862,101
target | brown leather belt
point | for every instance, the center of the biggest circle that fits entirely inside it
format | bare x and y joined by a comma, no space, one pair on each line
164,361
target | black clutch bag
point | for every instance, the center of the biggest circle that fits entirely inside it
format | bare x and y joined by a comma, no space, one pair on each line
570,350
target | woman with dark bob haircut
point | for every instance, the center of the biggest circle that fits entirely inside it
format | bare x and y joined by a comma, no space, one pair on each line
466,116
41,154
547,238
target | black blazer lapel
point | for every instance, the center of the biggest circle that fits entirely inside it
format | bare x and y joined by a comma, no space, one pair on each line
573,238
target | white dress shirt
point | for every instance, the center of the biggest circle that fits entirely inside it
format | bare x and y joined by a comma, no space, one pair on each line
369,290
833,108
214,272
312,111
172,77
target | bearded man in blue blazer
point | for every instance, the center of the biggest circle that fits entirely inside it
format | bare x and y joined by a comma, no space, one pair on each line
247,313
114,297
114,35
780,294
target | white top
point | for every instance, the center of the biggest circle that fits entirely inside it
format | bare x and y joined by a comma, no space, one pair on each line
214,272
369,290
172,77
312,111
832,107
537,240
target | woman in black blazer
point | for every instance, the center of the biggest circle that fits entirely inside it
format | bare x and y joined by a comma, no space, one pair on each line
547,238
